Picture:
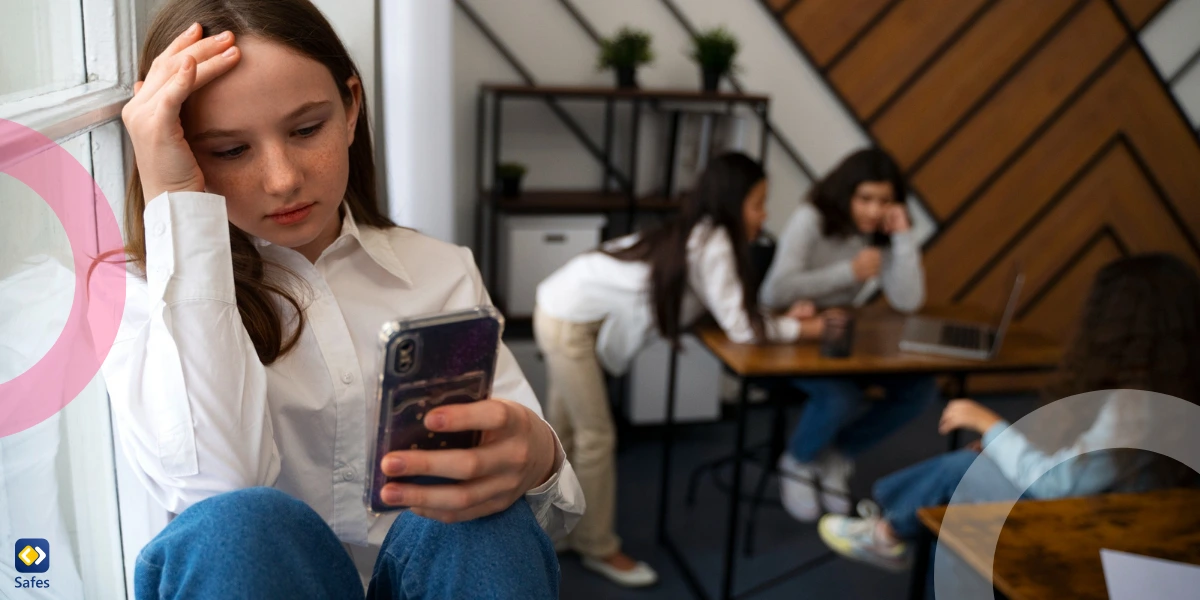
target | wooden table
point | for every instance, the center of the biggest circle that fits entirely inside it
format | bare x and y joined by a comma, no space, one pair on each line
1051,548
876,351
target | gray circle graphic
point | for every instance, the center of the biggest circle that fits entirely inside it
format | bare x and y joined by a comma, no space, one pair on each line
1123,419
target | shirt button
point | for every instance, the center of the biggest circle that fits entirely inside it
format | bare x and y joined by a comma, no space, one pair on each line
349,474
347,377
160,229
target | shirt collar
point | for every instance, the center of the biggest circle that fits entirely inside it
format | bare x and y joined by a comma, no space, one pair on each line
373,240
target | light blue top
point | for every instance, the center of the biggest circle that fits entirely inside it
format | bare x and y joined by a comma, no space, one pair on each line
1084,468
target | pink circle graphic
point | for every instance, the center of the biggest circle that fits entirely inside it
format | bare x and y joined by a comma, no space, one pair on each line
99,300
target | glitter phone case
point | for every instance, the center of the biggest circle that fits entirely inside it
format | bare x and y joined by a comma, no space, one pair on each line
429,362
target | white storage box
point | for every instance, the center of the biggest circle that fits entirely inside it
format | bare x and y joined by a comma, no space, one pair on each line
531,248
697,383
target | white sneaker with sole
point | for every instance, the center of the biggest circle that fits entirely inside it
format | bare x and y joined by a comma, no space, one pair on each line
835,472
641,575
796,490
856,539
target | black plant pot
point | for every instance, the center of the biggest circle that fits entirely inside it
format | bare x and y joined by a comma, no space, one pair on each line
510,187
626,77
712,78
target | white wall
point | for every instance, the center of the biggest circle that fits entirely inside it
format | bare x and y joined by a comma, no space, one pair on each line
1170,39
543,36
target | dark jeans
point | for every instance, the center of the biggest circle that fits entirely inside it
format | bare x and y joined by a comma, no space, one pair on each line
262,543
837,415
932,482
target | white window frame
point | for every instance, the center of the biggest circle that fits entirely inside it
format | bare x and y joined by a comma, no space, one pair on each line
111,30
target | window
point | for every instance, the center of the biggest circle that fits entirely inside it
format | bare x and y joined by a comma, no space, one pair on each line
66,69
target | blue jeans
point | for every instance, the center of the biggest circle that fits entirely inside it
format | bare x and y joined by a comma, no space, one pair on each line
832,414
932,482
262,543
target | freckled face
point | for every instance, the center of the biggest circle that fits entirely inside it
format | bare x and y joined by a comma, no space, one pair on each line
272,136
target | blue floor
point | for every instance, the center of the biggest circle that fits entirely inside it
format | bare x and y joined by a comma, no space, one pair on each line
782,543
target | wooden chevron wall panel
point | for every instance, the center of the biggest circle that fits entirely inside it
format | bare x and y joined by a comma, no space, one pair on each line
1033,131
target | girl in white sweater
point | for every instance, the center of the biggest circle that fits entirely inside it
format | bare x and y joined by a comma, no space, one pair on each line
597,311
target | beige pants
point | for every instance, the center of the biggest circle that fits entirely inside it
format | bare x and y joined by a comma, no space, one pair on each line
577,409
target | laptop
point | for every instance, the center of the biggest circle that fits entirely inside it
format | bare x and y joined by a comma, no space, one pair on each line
958,339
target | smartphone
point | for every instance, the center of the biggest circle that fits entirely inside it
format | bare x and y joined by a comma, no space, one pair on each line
428,362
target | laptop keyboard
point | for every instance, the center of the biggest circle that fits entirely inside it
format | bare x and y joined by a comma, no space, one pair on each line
961,337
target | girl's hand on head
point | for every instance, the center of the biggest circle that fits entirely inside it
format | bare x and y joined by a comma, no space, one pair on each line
867,263
896,220
967,414
802,309
517,454
165,161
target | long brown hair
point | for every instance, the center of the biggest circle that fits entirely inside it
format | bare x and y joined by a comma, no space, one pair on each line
718,197
298,25
1140,330
833,194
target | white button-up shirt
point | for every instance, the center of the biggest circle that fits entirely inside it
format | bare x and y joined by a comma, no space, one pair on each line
595,286
199,414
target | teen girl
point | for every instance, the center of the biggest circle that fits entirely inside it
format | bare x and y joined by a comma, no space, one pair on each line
596,312
264,271
855,230
1140,330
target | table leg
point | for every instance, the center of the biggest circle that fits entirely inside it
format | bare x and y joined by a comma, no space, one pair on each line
668,439
921,561
960,384
735,500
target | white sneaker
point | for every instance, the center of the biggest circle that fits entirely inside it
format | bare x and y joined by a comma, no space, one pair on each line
641,575
796,490
835,472
856,539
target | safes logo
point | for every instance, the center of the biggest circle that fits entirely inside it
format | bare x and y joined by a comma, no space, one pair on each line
31,555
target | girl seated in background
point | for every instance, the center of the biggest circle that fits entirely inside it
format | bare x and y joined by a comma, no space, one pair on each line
596,312
855,230
1140,330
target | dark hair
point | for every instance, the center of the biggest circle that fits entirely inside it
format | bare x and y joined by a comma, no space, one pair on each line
298,25
718,197
1140,330
832,195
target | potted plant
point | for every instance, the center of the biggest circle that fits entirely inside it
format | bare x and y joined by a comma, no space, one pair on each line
508,177
714,51
624,52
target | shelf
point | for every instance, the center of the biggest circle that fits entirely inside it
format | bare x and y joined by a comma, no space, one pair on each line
675,95
578,201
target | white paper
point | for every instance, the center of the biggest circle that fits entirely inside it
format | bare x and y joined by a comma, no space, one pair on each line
1134,577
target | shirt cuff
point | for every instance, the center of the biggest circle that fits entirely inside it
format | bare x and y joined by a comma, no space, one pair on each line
188,256
558,503
994,431
787,329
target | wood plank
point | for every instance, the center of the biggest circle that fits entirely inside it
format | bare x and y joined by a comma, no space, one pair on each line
1022,190
1139,12
1127,100
1051,549
1163,138
1059,311
960,78
1114,194
999,128
824,27
895,48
